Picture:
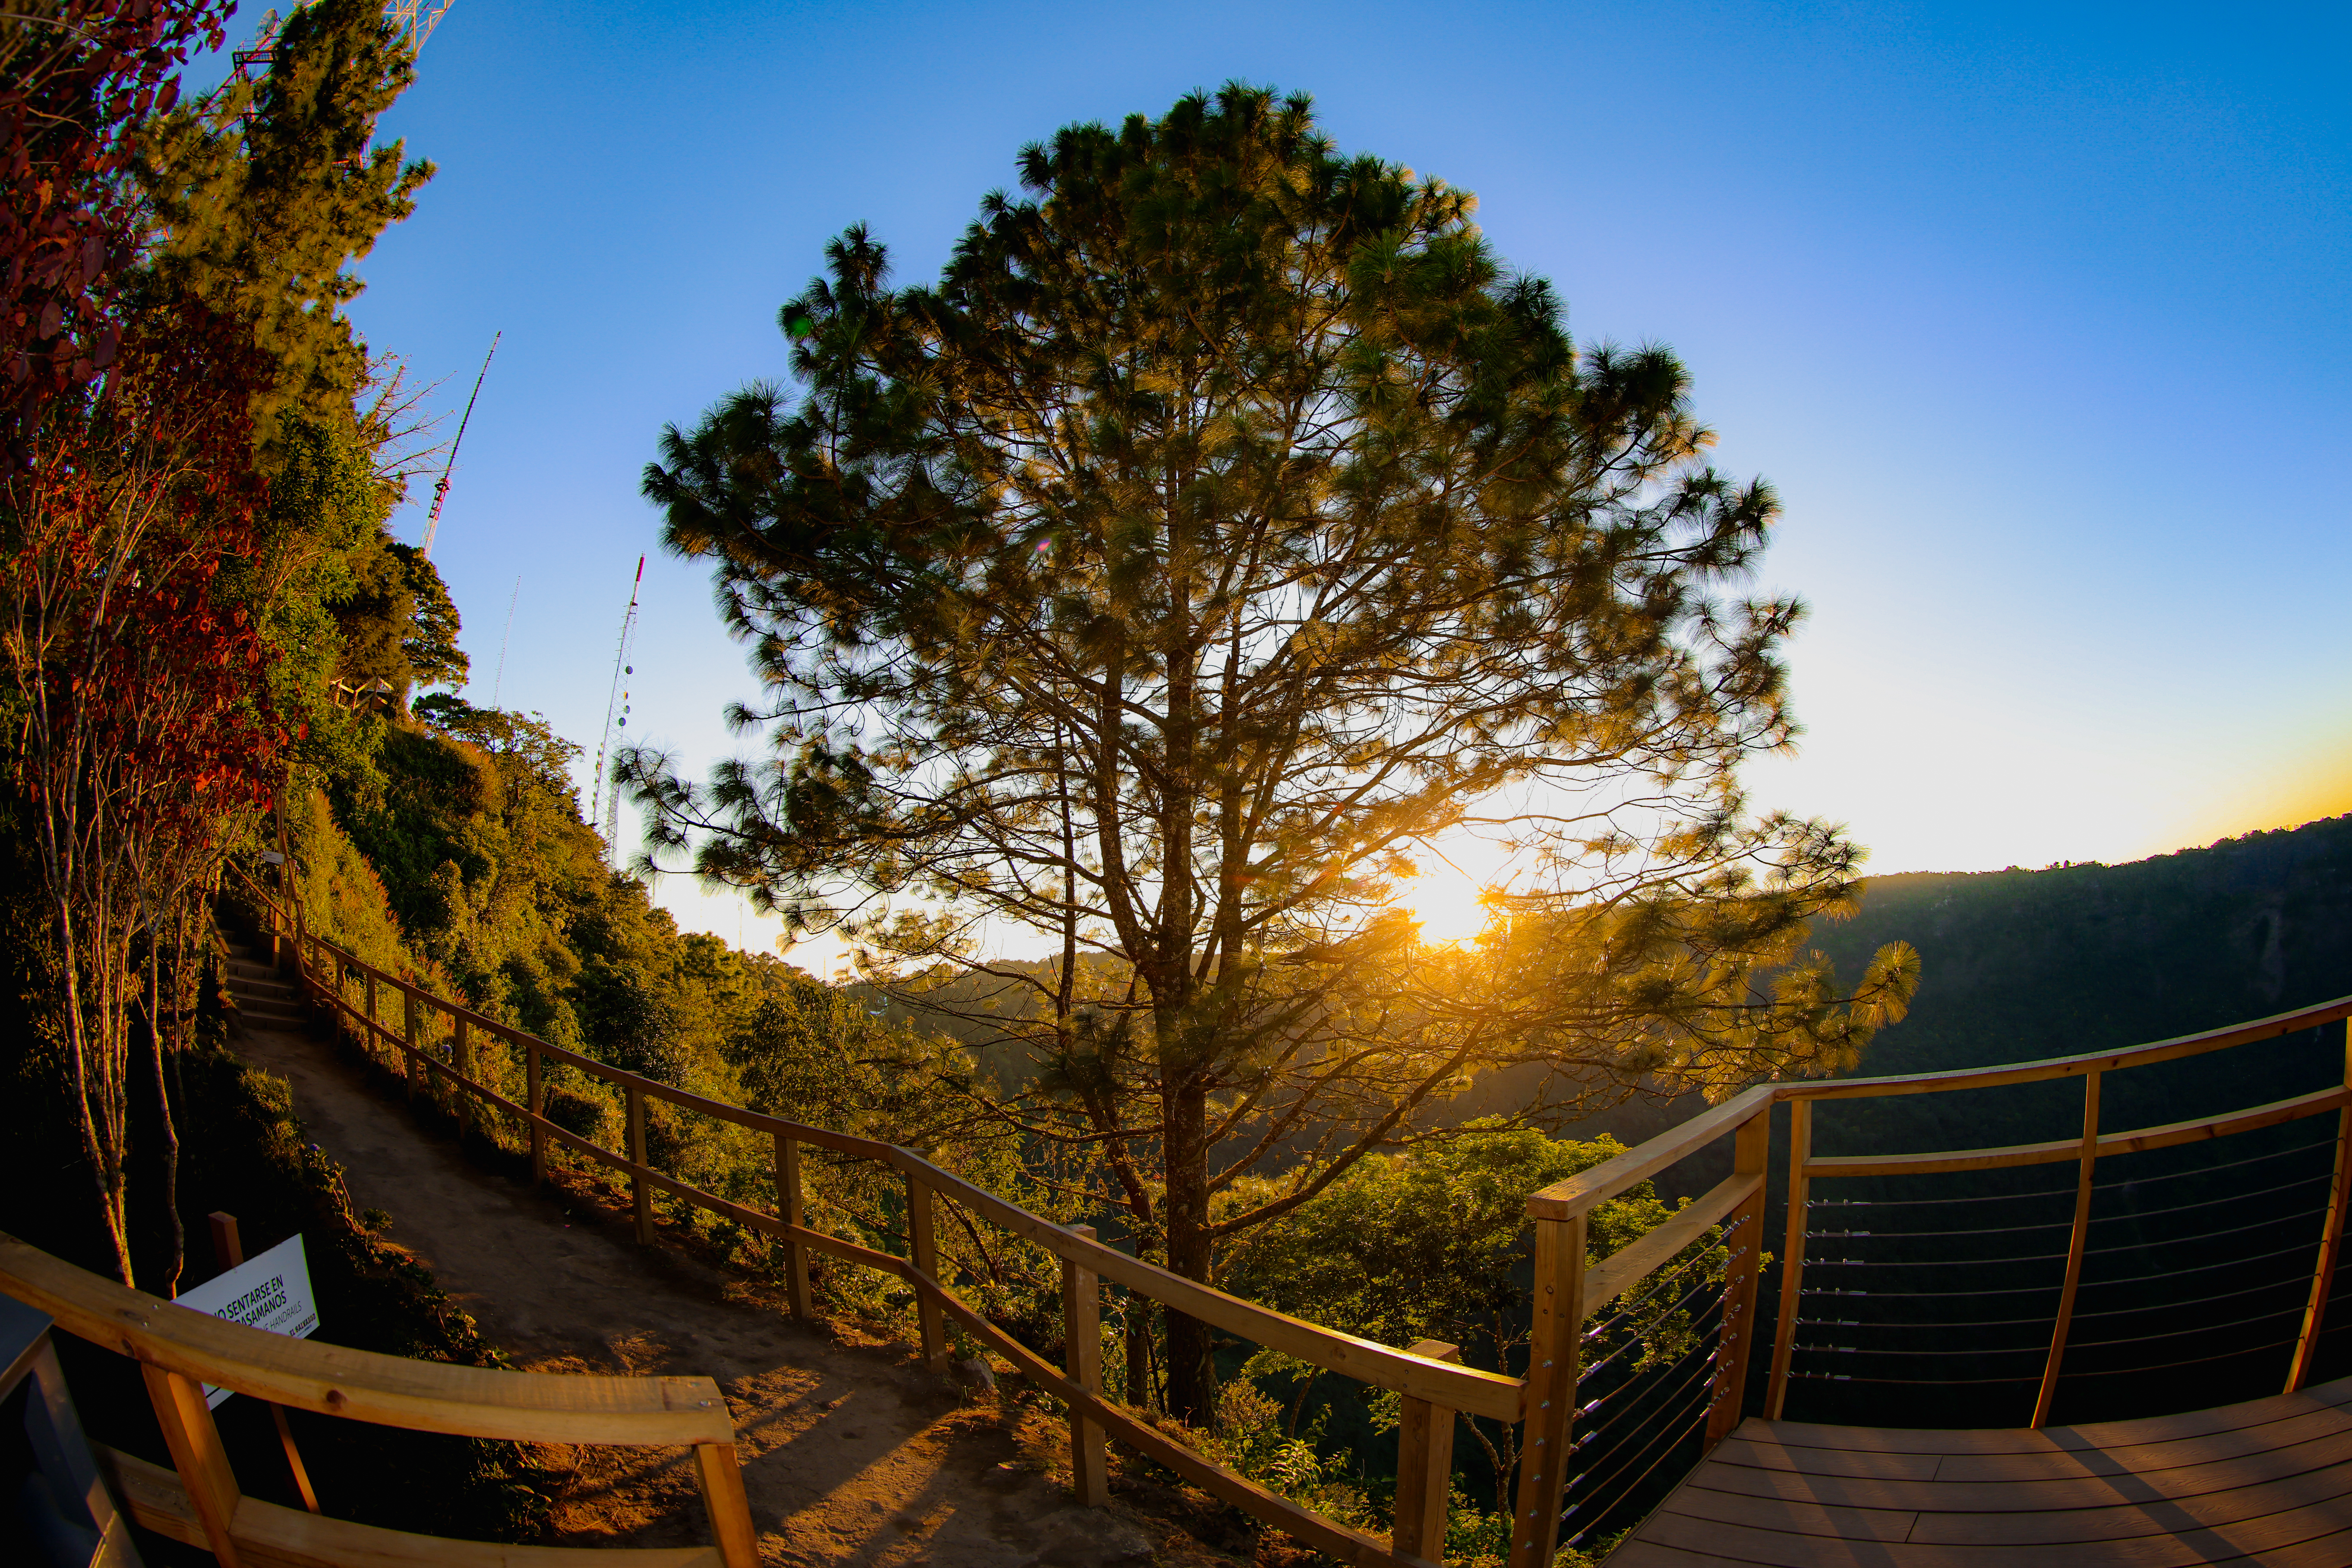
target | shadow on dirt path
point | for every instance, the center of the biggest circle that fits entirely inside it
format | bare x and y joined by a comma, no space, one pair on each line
852,1454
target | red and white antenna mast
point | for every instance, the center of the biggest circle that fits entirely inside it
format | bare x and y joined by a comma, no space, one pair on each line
441,490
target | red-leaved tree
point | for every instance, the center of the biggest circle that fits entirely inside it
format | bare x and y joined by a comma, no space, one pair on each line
147,738
77,79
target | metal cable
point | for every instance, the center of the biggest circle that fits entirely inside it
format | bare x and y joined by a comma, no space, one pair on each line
2192,1360
2118,1372
2072,1343
2035,1257
1911,1382
1929,1262
1630,1486
2002,1322
1981,1230
2193,1300
2051,1192
2042,1349
2183,1208
1637,1339
2048,1257
2087,1284
1667,1405
1913,1203
2206,1234
1659,1283
1656,1375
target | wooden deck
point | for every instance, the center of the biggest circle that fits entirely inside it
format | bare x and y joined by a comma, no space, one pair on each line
2268,1482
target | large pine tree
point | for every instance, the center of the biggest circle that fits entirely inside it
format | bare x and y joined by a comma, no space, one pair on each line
1226,525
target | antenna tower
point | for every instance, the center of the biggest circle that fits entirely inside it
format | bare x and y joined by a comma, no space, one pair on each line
441,490
413,22
616,719
409,19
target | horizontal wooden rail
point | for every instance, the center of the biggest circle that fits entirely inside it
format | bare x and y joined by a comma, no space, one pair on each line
361,1385
1440,1382
180,1350
1629,1266
264,1535
2221,1040
2139,1142
1587,1190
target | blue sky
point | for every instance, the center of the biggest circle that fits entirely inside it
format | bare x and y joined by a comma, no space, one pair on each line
2038,318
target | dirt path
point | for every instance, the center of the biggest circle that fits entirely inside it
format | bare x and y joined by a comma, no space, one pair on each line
852,1454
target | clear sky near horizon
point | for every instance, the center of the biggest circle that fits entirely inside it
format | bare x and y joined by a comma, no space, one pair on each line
2037,317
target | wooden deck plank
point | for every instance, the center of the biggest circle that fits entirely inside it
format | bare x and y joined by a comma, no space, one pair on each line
1634,1553
1764,1454
1779,1549
2142,1457
1729,1471
2020,1439
2238,1509
2267,1482
1800,1518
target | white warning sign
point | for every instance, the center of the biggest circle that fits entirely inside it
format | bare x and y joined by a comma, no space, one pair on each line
271,1292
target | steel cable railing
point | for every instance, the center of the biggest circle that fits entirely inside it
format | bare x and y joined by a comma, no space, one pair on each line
1906,1344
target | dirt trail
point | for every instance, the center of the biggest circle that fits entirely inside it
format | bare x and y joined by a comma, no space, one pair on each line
851,1454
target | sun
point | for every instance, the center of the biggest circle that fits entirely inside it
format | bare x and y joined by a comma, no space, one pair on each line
1447,905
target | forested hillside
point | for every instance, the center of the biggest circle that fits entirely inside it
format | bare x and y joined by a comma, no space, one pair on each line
2020,965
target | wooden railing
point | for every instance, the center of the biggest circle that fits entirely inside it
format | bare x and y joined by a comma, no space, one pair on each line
1570,1293
1432,1387
1717,1235
197,1500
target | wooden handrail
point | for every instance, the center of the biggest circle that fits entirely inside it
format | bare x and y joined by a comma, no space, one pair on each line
2139,1140
1587,1190
180,1350
2179,1045
1434,1384
384,1389
1456,1387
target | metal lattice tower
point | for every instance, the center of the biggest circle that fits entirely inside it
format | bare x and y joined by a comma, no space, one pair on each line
414,20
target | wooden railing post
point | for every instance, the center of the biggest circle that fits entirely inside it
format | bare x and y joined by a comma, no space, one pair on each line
1550,1399
1424,1467
641,1196
2074,1245
367,1037
1792,1258
534,1075
196,1453
1082,1359
1752,1149
922,1245
229,1251
412,1025
790,1210
2331,1237
720,1476
461,1057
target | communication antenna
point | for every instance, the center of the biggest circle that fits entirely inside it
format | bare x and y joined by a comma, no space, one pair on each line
413,22
441,490
499,684
616,719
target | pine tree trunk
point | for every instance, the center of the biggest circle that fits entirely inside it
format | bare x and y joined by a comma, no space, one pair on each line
1191,1381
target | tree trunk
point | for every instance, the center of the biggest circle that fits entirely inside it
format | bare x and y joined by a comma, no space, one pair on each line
1191,1380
